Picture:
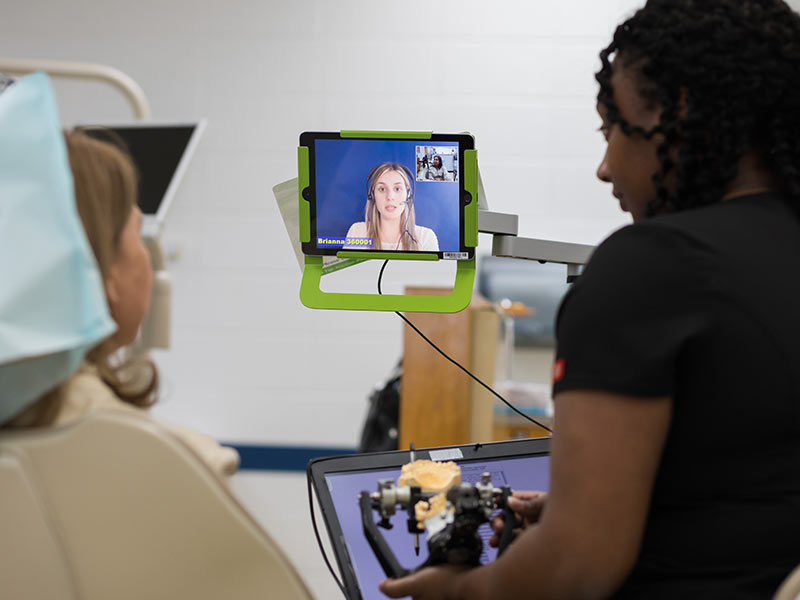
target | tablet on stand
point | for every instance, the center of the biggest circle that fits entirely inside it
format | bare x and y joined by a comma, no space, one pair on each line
347,178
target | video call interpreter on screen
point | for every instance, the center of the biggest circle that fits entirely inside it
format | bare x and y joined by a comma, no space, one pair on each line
389,216
437,171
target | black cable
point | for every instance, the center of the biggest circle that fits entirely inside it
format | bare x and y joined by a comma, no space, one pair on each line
435,347
316,531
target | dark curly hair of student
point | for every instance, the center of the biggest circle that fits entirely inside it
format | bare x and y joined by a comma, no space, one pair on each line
726,74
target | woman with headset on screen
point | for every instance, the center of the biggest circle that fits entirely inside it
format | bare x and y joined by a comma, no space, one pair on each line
675,458
389,215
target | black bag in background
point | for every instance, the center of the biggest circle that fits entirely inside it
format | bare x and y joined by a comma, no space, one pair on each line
379,433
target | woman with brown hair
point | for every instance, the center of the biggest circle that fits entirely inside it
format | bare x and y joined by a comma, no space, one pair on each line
105,185
389,215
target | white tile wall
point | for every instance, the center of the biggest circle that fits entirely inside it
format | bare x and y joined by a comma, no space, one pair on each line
249,363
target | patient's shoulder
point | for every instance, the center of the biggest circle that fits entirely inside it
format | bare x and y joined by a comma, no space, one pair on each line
85,392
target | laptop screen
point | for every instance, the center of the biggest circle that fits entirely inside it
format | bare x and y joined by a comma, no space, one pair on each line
520,472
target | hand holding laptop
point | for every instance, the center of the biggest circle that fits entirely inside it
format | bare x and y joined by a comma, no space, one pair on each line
438,582
432,582
527,507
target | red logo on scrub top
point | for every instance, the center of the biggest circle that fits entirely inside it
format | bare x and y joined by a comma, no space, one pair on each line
558,370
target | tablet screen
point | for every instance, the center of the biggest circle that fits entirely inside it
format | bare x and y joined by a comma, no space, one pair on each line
387,195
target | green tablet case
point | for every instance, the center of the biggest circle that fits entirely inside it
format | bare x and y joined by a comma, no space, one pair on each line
312,296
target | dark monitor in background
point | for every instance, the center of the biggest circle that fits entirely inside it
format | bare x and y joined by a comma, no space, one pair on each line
161,153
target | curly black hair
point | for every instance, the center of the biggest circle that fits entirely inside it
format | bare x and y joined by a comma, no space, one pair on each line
726,74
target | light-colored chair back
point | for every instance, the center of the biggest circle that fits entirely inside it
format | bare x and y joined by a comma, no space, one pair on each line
115,506
790,588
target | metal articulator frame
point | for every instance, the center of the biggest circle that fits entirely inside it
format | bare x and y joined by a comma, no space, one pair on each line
506,243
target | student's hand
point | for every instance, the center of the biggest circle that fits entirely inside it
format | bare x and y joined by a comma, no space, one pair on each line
527,507
432,583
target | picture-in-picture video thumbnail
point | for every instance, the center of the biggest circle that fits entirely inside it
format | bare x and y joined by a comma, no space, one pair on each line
437,163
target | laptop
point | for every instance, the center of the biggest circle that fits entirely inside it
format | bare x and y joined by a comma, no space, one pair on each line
338,481
161,153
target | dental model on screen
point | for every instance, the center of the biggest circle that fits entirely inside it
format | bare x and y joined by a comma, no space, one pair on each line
438,503
389,216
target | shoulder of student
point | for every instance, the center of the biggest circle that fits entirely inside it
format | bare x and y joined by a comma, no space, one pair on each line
427,238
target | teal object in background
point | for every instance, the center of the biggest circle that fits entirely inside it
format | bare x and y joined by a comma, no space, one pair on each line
52,301
311,294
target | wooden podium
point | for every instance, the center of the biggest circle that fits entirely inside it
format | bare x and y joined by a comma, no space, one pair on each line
441,405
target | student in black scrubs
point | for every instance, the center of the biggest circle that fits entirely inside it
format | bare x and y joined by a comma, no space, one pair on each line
676,453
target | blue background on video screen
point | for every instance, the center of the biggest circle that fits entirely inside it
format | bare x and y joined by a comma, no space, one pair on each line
341,169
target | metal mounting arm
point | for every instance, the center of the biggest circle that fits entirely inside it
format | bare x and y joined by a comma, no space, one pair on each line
505,242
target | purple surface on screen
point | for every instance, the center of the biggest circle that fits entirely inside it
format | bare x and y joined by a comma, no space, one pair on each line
521,473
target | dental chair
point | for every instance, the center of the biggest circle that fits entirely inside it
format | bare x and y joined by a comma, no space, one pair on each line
115,506
790,588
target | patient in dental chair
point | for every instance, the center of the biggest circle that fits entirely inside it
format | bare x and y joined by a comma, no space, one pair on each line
105,187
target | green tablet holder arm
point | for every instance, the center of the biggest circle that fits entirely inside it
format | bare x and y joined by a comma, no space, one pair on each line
313,296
